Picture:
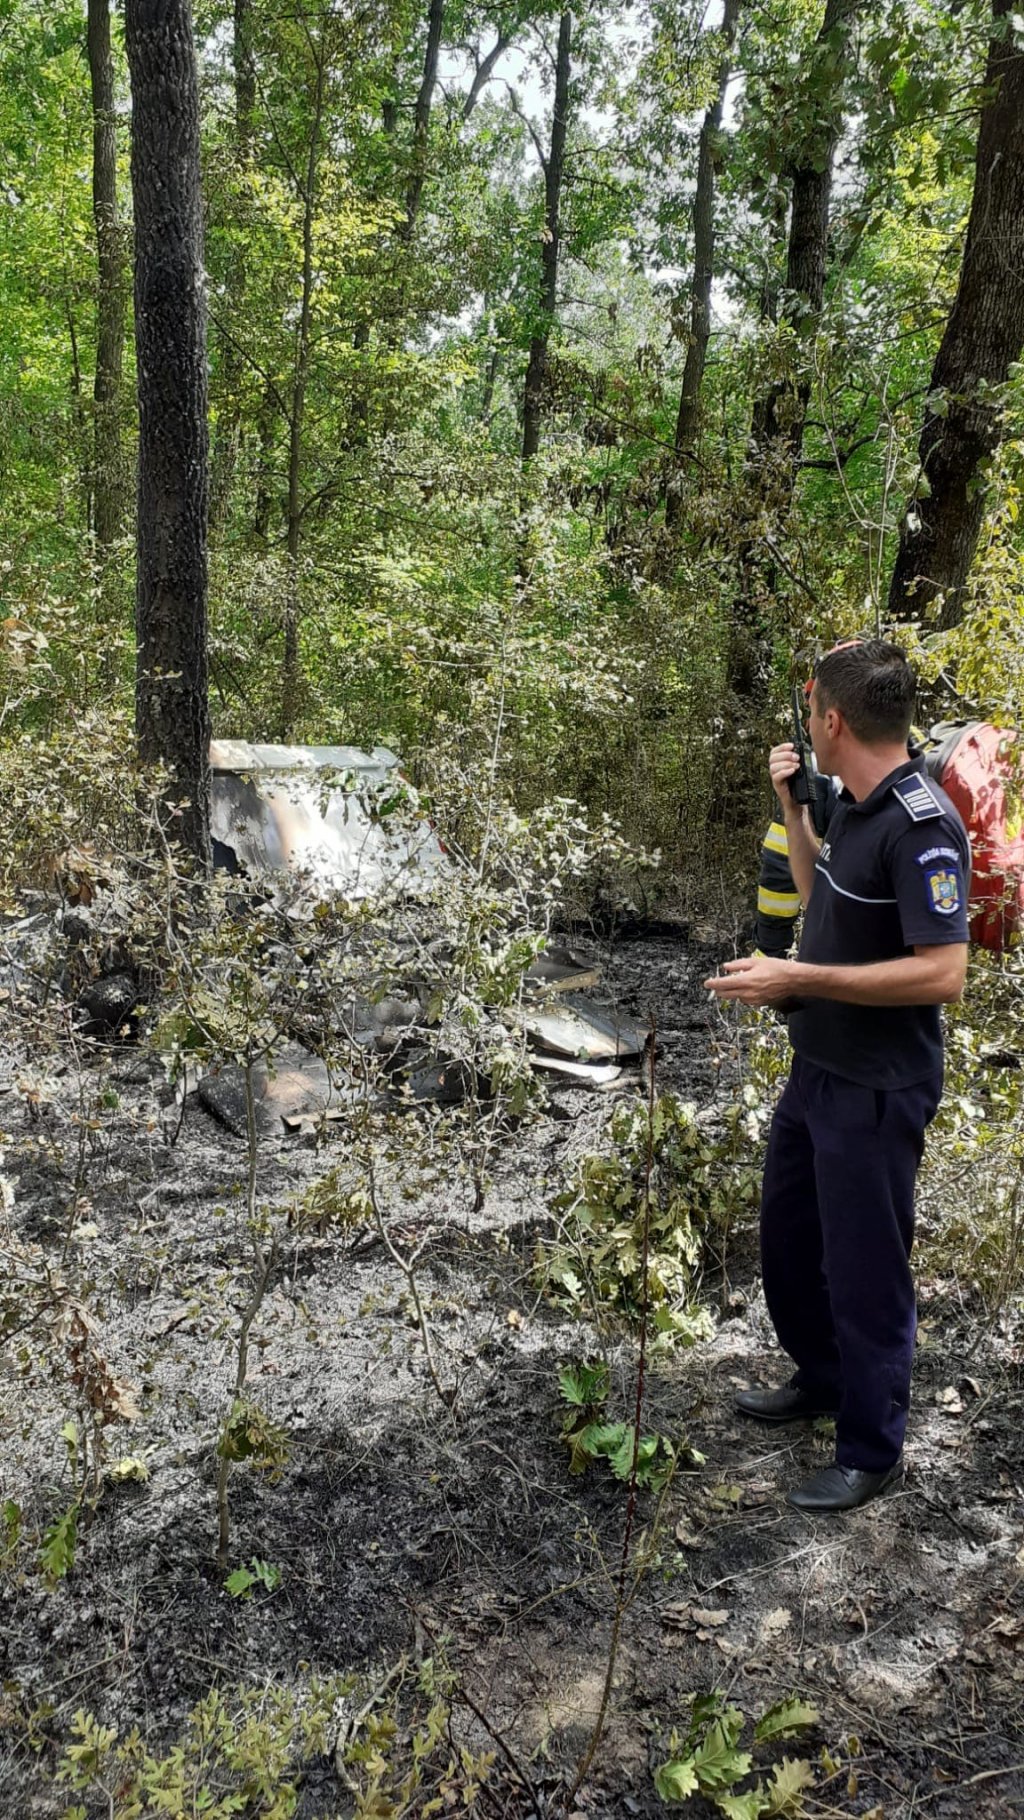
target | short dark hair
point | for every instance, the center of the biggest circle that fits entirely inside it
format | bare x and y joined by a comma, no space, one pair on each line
873,687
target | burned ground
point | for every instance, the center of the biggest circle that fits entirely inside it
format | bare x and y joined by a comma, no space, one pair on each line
398,1521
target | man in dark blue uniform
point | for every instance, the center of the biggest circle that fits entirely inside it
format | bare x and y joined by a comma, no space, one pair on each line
884,944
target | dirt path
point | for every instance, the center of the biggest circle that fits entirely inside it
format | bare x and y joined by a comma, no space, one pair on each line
396,1522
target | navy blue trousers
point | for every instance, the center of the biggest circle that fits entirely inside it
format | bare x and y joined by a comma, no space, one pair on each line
837,1226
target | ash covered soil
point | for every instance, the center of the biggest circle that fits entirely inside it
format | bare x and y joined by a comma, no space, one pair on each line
397,1521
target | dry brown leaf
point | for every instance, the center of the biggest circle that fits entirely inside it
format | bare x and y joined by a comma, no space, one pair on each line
775,1622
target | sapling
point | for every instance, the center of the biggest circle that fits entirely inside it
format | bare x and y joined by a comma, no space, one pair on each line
623,1591
235,1000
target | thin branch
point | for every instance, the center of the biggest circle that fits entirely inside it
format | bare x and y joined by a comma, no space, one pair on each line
250,360
528,123
484,68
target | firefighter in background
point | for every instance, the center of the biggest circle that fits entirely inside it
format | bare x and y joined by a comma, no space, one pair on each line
979,767
778,900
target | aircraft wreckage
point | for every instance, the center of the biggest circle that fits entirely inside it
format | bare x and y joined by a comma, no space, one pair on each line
308,811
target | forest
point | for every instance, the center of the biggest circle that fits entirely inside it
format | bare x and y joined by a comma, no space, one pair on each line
494,411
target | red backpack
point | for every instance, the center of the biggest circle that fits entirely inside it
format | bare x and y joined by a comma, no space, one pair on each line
979,769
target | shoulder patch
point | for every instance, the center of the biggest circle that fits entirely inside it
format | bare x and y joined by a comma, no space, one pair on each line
942,885
916,797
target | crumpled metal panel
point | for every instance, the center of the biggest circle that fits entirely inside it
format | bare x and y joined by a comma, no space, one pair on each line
309,810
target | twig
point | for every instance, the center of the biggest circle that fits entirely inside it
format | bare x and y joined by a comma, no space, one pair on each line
408,1268
460,1693
349,1727
622,1601
266,1264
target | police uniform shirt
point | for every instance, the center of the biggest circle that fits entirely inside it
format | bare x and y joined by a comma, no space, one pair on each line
892,875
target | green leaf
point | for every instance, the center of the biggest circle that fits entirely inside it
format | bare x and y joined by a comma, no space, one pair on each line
131,1467
748,1806
621,1461
240,1583
785,1719
57,1554
717,1761
604,1439
785,1791
583,1385
676,1780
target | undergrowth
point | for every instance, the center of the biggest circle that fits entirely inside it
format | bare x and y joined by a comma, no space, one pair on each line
704,1176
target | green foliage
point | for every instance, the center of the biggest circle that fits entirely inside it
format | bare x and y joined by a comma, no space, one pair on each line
399,1759
243,1582
588,1436
242,1753
249,1434
11,1522
709,1761
784,1720
673,1172
971,1189
57,1552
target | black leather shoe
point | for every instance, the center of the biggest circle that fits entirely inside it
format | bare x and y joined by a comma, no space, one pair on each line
842,1488
786,1405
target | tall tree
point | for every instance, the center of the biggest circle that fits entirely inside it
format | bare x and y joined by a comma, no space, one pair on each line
553,163
225,451
171,705
421,115
983,337
309,191
108,479
779,414
708,153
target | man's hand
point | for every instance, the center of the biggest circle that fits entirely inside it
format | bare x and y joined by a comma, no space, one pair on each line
756,980
783,764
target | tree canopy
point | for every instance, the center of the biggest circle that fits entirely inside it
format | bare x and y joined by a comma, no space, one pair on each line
742,286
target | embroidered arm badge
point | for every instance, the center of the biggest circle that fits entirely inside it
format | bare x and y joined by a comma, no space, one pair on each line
943,884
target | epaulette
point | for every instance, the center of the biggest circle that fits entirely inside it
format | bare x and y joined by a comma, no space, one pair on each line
916,797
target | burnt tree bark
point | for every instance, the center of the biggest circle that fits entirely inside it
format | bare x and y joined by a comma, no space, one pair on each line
108,475
171,703
554,170
983,337
688,417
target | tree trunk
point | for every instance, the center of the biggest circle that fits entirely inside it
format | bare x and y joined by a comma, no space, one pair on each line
490,381
983,337
226,445
554,166
703,271
108,479
290,665
777,423
171,705
266,428
421,118
781,414
244,66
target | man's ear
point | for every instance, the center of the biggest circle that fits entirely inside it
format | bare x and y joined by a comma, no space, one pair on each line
834,722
